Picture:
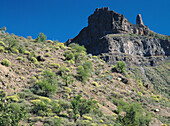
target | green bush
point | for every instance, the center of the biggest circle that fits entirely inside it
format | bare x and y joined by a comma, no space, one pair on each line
14,98
134,116
47,55
83,72
55,65
95,84
6,62
22,49
10,113
33,59
41,37
44,88
2,43
120,67
2,49
56,108
11,43
14,50
27,53
47,85
20,58
63,70
68,55
77,47
82,106
3,29
52,121
40,108
50,77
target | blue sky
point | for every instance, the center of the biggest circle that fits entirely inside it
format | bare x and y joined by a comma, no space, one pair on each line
63,19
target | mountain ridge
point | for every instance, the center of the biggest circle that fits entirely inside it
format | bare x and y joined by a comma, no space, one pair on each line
111,34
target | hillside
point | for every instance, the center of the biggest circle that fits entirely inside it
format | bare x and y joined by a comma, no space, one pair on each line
49,83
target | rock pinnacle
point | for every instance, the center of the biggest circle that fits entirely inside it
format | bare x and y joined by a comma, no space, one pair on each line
139,20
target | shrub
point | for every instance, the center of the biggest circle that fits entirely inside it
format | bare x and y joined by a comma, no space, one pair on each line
56,108
12,43
44,88
57,48
82,106
14,98
40,108
140,93
61,45
50,77
16,51
6,62
2,49
68,90
70,61
87,117
119,109
84,71
52,121
22,49
55,65
77,47
33,59
41,37
50,41
10,113
3,29
95,84
27,53
68,55
47,55
77,57
45,99
134,116
47,85
2,43
19,58
63,70
120,67
37,101
95,57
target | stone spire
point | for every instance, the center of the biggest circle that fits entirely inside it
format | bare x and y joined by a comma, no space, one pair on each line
139,20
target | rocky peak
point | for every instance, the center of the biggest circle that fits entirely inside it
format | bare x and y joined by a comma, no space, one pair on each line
139,20
110,33
105,21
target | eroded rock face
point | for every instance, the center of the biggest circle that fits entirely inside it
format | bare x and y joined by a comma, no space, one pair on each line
112,34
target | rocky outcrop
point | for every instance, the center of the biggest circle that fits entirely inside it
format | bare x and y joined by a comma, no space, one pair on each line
139,20
110,34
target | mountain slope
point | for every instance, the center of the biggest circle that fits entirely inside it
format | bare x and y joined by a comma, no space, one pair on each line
47,77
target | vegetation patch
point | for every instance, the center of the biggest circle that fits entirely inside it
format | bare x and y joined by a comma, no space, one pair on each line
6,62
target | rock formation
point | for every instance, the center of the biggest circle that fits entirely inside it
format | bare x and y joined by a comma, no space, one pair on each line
114,38
139,20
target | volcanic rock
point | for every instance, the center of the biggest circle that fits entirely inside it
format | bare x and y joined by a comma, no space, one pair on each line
114,38
139,20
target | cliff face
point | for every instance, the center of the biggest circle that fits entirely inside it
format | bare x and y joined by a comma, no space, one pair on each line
111,35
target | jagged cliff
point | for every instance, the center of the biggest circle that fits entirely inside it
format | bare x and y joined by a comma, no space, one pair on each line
112,36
